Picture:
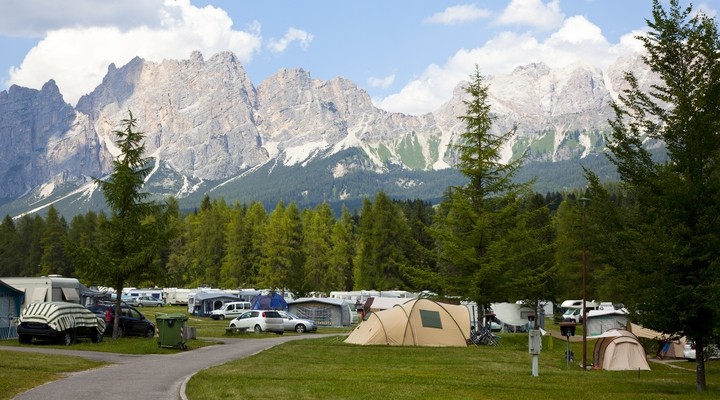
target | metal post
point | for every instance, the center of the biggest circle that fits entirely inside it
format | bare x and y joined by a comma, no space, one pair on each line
584,202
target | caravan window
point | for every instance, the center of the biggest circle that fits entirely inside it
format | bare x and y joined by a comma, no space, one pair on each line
38,295
70,294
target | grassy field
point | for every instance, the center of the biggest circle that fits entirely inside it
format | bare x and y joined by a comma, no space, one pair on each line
326,368
329,369
22,371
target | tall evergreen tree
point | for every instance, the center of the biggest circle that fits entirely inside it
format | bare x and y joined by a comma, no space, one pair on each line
134,234
54,260
473,217
12,259
320,274
343,248
384,244
675,221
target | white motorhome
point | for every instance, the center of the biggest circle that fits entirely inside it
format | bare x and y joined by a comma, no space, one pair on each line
572,309
46,288
155,293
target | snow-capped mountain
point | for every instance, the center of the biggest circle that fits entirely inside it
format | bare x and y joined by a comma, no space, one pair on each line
210,130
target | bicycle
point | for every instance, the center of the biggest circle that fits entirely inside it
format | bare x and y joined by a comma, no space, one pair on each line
483,336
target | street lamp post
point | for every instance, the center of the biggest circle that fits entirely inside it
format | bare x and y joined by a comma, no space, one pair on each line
584,201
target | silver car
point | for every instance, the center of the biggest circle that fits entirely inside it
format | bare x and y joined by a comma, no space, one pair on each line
292,322
146,301
259,321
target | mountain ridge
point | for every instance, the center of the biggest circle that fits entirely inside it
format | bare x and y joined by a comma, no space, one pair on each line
205,122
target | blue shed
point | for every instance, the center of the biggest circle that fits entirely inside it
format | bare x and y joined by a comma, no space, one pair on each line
10,301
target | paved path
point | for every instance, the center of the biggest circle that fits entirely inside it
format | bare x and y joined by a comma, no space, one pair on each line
157,377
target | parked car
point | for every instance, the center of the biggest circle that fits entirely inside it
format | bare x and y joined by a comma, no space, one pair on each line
259,321
292,322
59,321
230,310
146,301
132,321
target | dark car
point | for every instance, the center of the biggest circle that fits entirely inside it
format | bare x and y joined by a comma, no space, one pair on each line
132,321
59,321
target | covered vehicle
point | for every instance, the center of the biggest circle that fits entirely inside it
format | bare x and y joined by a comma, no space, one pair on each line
132,321
59,321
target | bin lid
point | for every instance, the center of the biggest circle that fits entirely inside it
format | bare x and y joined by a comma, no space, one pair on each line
181,317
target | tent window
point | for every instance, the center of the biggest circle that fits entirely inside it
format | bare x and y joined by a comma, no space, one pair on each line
38,295
70,294
430,319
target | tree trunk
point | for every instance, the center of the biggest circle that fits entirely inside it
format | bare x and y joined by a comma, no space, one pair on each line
118,311
700,365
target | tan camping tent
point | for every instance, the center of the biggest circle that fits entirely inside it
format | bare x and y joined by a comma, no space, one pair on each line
417,322
619,350
671,349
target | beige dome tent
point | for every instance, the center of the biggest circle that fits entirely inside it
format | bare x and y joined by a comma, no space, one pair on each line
619,350
417,322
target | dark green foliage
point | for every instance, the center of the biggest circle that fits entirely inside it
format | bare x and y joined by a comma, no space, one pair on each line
673,222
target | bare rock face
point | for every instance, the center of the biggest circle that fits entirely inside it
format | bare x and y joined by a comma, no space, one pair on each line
29,120
205,121
197,115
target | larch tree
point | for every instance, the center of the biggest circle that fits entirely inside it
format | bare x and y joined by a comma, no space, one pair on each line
473,217
134,235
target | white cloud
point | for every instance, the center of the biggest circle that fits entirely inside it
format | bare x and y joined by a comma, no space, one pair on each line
458,15
382,83
532,13
577,40
292,35
34,18
79,57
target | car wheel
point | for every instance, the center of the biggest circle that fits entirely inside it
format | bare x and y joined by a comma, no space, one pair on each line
25,339
67,338
257,329
139,305
159,305
97,337
149,332
300,328
222,317
121,332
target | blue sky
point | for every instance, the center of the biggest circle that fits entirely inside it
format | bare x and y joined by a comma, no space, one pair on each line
407,54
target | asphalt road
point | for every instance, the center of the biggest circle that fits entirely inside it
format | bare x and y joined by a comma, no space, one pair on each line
157,377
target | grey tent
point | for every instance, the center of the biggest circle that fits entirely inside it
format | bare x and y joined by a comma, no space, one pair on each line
324,311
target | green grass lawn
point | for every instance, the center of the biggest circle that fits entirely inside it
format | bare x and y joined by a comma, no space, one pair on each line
326,368
23,371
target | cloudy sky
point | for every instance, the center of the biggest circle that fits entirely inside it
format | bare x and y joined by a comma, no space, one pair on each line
407,54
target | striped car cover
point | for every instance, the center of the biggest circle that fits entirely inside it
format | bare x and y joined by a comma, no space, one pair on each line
61,316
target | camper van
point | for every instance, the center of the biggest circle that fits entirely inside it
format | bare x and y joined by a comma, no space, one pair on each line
572,309
46,288
230,310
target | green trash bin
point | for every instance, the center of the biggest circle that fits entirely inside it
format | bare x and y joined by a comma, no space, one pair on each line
171,329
